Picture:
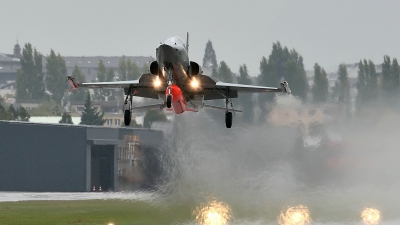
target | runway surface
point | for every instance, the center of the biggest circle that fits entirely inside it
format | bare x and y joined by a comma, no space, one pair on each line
333,173
339,172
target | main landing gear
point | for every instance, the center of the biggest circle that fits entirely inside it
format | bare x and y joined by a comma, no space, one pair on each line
228,115
127,117
128,108
228,119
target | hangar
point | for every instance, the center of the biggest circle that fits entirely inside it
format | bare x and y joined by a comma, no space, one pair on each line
76,158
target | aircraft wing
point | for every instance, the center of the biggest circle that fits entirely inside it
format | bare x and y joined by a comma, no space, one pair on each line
219,90
114,84
245,88
143,87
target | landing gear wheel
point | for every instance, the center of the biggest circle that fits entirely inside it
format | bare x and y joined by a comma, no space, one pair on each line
127,117
169,101
228,119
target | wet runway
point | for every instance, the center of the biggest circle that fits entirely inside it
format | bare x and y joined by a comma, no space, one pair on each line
215,212
327,174
333,173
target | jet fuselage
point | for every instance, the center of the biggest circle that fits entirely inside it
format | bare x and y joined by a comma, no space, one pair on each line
173,60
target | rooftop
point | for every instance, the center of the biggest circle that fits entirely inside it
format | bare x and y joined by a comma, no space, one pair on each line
7,58
109,61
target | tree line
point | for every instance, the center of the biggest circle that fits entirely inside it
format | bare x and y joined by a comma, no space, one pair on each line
51,88
281,64
11,113
32,83
284,64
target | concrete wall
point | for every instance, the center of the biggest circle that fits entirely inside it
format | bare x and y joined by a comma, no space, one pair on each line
37,157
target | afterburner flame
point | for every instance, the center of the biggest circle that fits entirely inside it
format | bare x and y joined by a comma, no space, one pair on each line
194,83
371,216
157,82
297,215
213,213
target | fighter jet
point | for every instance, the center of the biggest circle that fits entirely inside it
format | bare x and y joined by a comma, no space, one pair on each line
179,83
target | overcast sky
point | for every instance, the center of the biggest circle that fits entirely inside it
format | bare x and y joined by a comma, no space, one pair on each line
327,32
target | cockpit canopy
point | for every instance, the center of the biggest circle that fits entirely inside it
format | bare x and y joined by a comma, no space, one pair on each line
174,40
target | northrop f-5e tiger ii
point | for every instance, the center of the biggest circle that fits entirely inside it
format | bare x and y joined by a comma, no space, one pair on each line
179,83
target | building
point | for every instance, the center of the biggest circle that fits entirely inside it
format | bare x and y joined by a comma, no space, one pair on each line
130,167
88,64
70,158
103,106
9,65
29,104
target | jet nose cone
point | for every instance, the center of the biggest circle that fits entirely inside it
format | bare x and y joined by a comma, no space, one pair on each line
167,47
168,53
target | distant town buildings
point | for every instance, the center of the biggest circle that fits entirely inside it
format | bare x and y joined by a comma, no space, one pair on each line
88,64
10,64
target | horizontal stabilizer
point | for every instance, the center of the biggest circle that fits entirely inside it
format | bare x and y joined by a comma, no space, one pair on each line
220,108
154,106
191,109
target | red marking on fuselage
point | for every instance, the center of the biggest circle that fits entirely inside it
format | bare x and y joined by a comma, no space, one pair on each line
178,102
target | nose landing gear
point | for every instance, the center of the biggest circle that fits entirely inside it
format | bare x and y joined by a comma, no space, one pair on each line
169,101
170,78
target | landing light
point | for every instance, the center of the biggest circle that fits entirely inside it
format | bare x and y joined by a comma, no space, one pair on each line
371,216
194,83
297,215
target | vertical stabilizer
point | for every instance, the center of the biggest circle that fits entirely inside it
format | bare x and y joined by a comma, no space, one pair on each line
187,42
187,50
